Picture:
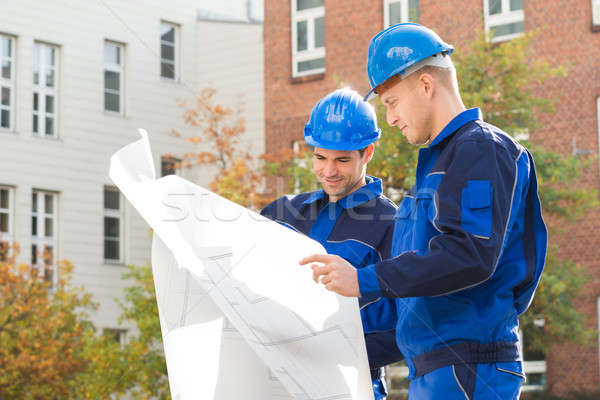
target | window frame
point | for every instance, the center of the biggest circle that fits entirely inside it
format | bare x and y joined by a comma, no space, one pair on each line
405,12
595,13
504,17
8,236
120,215
120,69
42,90
176,51
40,240
121,332
311,53
9,83
168,159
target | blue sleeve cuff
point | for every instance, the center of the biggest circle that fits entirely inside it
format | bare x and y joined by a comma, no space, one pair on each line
368,284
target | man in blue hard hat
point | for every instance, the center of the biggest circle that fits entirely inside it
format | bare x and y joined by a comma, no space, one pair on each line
350,217
469,240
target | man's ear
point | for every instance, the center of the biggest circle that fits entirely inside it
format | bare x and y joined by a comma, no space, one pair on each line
428,84
369,152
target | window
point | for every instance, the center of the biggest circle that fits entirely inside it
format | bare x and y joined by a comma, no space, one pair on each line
7,82
6,222
169,165
595,12
169,57
113,77
45,90
397,11
396,376
308,37
43,233
534,362
504,17
113,226
118,335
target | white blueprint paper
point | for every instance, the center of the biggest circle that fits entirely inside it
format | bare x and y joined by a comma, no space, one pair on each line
240,318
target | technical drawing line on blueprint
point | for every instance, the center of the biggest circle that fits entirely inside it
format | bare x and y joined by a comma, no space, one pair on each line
239,317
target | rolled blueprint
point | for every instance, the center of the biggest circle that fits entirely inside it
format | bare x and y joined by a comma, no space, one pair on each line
240,318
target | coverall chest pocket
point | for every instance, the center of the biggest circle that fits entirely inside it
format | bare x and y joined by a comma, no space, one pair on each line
476,208
402,228
424,219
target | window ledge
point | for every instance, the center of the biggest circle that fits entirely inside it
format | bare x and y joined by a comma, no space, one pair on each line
175,81
114,114
114,263
8,132
40,137
308,78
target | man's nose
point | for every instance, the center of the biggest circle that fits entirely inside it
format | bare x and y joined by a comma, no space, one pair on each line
330,169
390,117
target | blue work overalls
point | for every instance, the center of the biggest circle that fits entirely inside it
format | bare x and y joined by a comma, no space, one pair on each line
359,228
469,250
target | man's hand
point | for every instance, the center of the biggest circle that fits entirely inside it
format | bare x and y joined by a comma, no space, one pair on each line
335,273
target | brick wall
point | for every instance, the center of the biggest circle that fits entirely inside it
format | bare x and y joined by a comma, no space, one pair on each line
566,38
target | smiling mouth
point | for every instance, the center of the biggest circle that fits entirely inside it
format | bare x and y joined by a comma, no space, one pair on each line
333,181
403,127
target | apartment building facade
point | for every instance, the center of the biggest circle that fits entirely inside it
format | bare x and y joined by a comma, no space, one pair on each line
313,45
77,81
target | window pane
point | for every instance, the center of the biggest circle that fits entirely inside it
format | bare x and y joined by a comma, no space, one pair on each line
320,32
311,64
6,69
49,126
111,227
111,102
167,33
34,202
48,204
516,5
49,55
50,104
168,166
5,96
5,119
111,249
50,78
111,199
35,102
304,4
112,54
48,255
508,29
48,227
3,198
4,222
35,124
395,13
302,38
167,70
167,52
4,249
413,10
6,47
111,80
495,6
34,254
34,226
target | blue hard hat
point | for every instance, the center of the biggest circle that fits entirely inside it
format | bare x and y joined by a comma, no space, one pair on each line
398,47
342,120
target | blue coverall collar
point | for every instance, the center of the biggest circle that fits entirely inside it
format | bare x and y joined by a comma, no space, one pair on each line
371,190
464,117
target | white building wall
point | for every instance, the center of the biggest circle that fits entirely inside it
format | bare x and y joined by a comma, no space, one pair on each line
75,164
